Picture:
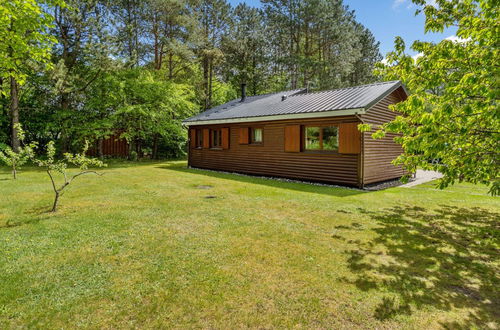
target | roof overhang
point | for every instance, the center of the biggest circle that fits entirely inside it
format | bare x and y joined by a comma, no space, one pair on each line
307,115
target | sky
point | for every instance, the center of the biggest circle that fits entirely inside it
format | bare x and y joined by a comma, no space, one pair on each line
387,19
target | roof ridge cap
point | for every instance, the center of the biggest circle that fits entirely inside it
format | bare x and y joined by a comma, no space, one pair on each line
352,87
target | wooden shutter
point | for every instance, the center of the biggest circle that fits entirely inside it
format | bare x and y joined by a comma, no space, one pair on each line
206,138
349,138
292,138
225,138
243,135
192,138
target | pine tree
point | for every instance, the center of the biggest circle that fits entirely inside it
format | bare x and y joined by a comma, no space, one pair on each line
213,16
245,48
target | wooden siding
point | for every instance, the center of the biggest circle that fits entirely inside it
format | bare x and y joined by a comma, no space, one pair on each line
378,154
192,139
270,158
112,146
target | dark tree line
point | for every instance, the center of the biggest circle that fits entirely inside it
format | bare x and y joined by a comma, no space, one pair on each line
138,67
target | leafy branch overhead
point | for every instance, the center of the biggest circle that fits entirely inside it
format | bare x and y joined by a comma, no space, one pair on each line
452,115
54,166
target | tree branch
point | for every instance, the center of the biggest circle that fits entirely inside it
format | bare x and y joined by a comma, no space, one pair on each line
82,173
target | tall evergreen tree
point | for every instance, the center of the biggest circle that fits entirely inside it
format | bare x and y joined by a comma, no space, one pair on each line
82,55
244,48
129,29
213,16
318,43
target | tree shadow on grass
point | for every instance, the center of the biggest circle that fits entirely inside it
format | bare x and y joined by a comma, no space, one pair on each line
444,258
267,181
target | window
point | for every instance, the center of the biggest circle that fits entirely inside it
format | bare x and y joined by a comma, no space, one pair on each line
321,138
199,138
216,138
256,135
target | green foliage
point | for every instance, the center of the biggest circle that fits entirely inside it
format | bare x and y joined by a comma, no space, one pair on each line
53,166
245,47
81,161
364,127
17,159
318,44
153,108
92,69
452,115
133,156
25,41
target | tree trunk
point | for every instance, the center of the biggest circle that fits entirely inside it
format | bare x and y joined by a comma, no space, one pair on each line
210,79
138,147
155,147
130,37
56,200
130,149
2,100
156,42
170,66
64,134
14,113
100,152
205,81
14,173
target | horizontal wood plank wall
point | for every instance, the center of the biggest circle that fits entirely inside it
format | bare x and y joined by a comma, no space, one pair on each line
378,154
112,146
270,158
192,138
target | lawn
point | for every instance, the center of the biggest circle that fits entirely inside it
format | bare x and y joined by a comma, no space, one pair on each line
156,245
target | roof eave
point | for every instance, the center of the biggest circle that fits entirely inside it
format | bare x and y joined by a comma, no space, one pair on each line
307,115
383,95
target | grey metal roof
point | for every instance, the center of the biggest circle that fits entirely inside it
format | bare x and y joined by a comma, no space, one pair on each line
299,102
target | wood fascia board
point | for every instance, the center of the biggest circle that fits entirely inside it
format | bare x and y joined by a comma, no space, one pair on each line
322,114
380,99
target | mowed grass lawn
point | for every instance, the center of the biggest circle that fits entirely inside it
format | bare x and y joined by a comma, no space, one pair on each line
143,246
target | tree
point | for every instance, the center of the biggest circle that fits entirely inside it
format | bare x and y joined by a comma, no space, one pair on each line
369,50
244,48
151,110
129,30
195,52
53,166
213,16
171,25
25,44
83,52
318,44
24,153
452,114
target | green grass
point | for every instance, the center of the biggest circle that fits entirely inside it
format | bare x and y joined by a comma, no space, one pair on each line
143,247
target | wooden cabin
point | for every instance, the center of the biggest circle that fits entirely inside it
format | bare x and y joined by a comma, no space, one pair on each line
301,135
